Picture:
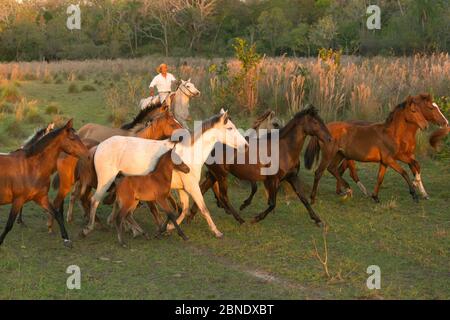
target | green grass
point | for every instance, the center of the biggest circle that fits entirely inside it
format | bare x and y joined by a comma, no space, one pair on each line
270,260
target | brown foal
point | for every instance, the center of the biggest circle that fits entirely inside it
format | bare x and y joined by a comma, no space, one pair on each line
25,174
153,187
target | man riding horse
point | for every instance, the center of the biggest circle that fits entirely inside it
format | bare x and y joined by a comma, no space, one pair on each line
163,83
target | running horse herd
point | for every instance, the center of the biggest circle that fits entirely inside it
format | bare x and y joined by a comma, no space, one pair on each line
139,163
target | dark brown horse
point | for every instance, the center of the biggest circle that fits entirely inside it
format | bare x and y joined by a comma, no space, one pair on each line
291,139
25,174
431,112
379,142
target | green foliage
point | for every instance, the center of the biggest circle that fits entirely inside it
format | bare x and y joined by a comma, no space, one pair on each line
73,88
294,27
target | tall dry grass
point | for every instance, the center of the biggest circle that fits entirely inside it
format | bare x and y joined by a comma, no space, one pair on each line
357,88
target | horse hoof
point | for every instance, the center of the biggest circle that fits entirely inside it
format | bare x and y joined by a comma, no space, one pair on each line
241,221
68,243
426,197
219,235
320,224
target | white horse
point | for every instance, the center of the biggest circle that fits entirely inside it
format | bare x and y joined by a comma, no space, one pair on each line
178,100
136,157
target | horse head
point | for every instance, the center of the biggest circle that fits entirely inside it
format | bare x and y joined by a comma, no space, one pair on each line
188,88
430,110
413,113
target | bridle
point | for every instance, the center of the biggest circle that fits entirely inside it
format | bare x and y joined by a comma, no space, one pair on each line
182,87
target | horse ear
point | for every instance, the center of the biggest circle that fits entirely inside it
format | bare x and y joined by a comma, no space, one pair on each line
69,124
222,111
225,117
189,80
409,100
51,126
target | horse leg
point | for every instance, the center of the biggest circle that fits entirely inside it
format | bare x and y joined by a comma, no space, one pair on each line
223,198
184,199
333,169
163,204
16,207
248,201
394,165
20,219
73,197
155,212
294,181
342,168
415,169
176,207
45,204
354,175
204,186
102,188
272,189
194,190
381,173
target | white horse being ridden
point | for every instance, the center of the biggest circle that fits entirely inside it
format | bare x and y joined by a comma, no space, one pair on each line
134,156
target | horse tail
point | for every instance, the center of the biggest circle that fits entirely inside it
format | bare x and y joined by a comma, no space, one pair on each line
85,172
312,153
55,182
437,137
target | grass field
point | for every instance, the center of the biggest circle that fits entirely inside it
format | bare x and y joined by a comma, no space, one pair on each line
274,259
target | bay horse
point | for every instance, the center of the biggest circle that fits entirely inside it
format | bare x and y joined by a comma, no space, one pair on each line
136,157
153,187
28,143
377,142
160,127
406,152
291,138
25,174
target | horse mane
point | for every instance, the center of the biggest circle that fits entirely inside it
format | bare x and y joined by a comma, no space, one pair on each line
397,108
261,118
33,138
206,125
140,116
310,110
41,144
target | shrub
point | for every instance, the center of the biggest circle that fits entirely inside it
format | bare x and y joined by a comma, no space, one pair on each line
7,107
59,81
9,92
88,87
52,108
73,88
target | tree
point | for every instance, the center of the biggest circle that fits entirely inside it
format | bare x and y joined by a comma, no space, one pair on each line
323,32
272,26
194,17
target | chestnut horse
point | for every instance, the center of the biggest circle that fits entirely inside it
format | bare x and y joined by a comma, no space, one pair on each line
377,142
161,127
291,139
153,187
25,174
431,113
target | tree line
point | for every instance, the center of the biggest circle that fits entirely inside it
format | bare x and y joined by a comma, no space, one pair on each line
36,29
